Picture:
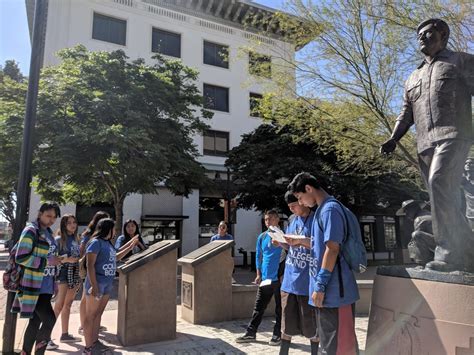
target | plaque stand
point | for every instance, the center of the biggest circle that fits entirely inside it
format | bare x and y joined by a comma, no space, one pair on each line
206,287
147,295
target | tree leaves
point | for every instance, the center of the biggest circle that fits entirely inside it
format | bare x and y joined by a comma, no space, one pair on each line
110,127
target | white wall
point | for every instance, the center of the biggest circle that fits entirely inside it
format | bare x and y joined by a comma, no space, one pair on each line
191,225
132,207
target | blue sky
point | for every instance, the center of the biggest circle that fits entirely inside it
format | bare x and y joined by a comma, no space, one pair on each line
14,36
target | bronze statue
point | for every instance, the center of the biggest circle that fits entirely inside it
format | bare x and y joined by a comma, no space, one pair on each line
437,100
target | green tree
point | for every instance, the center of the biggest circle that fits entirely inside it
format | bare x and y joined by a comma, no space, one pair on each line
109,127
12,70
362,52
12,111
269,157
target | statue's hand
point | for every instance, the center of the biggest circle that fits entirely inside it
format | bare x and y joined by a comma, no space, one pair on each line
388,147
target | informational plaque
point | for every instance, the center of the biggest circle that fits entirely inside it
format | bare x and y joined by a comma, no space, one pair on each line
187,294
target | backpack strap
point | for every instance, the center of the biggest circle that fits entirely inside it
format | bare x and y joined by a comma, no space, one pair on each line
339,277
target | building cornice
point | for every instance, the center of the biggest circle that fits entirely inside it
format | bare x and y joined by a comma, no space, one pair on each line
241,14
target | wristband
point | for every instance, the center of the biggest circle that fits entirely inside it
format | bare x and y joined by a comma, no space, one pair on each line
322,280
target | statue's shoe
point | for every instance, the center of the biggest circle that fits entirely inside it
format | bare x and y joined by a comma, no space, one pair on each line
442,266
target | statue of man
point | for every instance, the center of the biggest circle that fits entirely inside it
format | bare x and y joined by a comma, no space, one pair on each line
437,100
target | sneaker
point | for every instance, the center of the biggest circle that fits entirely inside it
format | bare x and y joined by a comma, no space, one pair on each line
51,345
275,340
87,351
68,338
246,338
100,349
80,331
99,345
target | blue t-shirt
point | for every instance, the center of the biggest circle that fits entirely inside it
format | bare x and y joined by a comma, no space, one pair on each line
267,257
219,237
71,248
332,220
47,286
105,263
85,239
296,278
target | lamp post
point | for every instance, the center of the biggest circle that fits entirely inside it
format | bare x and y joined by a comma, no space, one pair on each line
24,176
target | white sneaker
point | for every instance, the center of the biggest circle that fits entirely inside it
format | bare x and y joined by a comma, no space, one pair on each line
51,345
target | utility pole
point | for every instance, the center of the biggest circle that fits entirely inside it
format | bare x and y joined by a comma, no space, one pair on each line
24,176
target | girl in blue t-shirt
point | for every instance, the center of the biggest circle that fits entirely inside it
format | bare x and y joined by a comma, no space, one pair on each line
130,229
85,237
69,282
101,264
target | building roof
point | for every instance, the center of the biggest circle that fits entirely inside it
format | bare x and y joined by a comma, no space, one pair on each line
243,14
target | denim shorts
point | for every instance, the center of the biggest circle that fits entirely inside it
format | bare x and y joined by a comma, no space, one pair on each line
62,277
104,288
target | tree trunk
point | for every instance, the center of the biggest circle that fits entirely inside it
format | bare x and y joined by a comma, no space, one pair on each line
118,206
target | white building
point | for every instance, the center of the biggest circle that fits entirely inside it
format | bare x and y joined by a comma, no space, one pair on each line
195,31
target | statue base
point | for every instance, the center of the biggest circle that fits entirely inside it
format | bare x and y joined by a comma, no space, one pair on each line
416,311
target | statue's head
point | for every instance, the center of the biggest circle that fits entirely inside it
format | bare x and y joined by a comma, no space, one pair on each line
433,35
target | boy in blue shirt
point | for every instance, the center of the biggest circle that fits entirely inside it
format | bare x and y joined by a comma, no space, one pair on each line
268,263
298,317
332,284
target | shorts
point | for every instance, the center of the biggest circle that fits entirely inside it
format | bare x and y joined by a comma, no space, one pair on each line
298,317
104,288
62,277
336,328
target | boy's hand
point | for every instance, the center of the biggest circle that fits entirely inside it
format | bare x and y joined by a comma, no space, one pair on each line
318,298
257,280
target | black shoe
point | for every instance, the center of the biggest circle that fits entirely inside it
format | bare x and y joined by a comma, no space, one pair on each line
246,338
275,340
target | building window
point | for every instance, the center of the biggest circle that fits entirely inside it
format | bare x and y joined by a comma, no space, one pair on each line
216,143
390,236
216,54
216,98
166,43
109,29
254,101
260,65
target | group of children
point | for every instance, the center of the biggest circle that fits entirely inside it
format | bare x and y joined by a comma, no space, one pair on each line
51,267
314,288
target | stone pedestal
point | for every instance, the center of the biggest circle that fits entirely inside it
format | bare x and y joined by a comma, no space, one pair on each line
206,286
421,312
147,295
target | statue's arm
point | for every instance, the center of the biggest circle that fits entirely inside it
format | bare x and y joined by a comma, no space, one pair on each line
404,121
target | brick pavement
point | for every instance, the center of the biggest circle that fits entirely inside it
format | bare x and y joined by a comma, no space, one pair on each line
217,338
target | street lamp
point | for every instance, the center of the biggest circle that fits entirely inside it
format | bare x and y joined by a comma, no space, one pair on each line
24,176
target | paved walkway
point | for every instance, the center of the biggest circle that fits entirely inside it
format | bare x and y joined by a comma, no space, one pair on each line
217,338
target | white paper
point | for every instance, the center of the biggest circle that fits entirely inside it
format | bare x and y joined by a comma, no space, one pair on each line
266,282
296,236
276,234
